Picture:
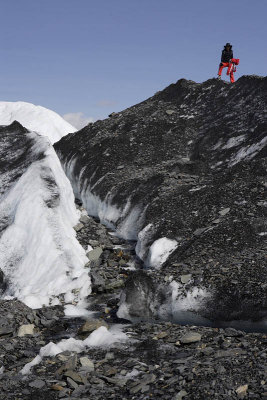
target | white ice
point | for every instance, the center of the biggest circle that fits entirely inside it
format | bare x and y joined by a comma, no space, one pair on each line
184,304
159,251
131,218
39,252
191,301
35,118
144,237
101,337
77,311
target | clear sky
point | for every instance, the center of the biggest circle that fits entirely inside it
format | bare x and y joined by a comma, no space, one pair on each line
98,56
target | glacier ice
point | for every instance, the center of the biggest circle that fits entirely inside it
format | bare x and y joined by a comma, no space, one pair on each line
35,118
100,337
39,253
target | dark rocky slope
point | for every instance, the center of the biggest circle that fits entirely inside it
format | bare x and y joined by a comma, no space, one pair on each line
189,164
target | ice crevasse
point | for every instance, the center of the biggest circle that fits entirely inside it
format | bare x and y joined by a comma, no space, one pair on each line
125,220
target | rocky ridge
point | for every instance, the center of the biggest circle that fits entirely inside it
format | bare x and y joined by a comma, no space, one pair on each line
188,164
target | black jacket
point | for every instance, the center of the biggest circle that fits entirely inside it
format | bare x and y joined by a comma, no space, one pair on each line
227,55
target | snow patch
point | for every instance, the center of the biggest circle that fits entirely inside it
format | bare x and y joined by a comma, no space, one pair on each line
187,116
248,152
197,188
234,141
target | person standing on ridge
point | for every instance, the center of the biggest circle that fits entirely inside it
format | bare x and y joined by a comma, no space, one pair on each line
227,55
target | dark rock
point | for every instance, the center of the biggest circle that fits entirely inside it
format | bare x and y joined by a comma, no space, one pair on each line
143,384
3,283
5,331
98,283
74,376
138,296
38,384
85,219
113,114
72,383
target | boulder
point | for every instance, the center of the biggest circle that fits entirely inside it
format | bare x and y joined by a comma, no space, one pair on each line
78,227
37,384
186,278
224,211
241,391
91,326
26,330
138,297
180,395
170,112
87,363
85,219
190,337
98,283
95,254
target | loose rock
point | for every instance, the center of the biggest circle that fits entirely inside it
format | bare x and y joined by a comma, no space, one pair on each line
190,337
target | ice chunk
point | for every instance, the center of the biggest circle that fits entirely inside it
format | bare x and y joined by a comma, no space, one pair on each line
159,251
100,337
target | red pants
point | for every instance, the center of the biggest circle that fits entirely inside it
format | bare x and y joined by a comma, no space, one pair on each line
230,70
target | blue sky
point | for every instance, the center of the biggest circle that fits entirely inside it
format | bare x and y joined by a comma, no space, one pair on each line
98,56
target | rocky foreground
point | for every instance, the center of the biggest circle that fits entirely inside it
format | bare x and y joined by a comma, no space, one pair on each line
160,360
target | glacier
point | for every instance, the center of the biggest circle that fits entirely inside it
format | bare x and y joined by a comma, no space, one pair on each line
39,254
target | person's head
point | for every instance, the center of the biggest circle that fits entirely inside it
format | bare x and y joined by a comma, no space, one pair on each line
228,46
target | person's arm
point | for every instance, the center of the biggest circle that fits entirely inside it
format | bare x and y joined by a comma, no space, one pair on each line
232,55
222,56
